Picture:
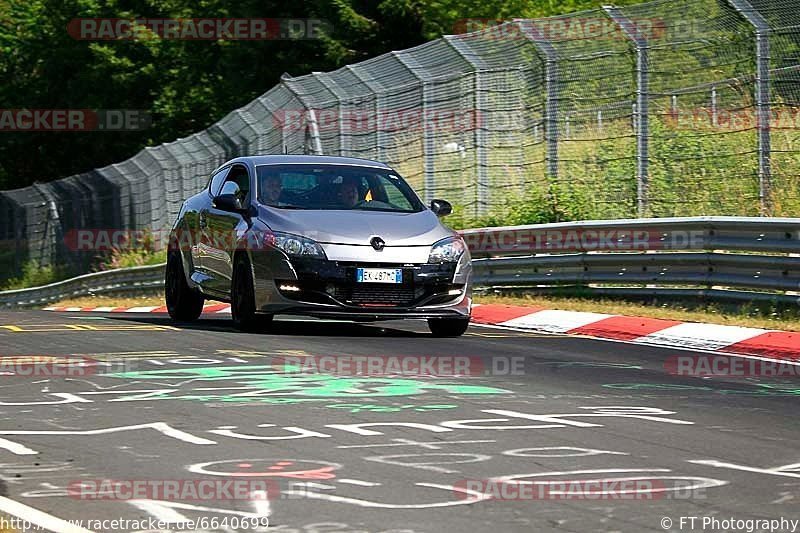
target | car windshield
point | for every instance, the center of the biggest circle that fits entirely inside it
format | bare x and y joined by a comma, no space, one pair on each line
335,187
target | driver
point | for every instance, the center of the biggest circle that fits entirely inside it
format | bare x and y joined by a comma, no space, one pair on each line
348,193
273,187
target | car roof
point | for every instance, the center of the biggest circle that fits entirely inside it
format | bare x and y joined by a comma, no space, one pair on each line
305,159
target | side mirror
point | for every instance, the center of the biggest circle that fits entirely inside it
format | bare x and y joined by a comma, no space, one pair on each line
441,207
229,202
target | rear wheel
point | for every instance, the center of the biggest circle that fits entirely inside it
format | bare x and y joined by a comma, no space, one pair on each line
243,298
448,327
183,303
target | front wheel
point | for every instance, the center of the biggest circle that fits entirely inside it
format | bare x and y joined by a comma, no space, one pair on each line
183,303
243,298
448,327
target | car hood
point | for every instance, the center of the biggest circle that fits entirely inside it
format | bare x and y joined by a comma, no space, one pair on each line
358,227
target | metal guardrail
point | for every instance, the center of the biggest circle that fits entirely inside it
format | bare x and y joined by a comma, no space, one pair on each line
118,281
738,258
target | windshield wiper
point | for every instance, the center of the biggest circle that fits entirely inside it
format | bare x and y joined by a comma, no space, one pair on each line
286,206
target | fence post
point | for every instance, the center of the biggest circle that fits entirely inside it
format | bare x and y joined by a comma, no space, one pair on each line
428,145
344,122
312,129
633,34
18,239
714,120
762,90
380,135
55,234
674,108
479,138
552,86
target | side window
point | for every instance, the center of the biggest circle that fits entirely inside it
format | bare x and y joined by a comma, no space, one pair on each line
239,175
215,185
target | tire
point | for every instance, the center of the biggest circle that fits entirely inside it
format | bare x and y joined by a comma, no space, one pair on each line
448,327
183,303
243,299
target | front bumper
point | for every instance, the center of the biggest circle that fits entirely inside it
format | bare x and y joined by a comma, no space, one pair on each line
329,289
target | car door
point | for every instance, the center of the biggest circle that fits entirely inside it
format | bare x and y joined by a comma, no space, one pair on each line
223,228
201,244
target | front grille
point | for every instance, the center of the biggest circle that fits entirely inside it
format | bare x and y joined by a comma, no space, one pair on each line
374,294
328,283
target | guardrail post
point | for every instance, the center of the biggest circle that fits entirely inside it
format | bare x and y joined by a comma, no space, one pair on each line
762,97
642,130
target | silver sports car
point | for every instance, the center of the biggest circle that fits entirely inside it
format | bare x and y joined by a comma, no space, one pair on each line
319,236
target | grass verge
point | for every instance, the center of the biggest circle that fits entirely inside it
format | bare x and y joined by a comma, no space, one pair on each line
109,301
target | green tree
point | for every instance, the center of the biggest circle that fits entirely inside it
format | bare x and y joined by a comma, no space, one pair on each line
188,85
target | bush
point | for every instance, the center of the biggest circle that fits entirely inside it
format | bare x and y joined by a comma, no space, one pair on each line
35,275
133,258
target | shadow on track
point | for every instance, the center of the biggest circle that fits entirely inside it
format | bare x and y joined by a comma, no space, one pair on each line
294,328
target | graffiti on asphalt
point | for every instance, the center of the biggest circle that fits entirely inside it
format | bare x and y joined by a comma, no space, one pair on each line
265,384
282,467
504,423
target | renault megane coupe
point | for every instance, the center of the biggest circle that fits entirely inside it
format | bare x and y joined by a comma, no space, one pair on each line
319,236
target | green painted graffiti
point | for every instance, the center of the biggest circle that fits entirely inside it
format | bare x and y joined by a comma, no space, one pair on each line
263,383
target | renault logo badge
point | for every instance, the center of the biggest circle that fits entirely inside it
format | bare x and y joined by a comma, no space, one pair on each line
377,243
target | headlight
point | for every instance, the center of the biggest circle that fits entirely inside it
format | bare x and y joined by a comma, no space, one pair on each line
447,250
297,246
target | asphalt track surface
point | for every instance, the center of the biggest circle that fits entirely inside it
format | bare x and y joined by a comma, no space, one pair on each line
228,406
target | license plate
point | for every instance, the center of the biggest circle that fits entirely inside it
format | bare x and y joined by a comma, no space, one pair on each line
379,275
